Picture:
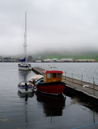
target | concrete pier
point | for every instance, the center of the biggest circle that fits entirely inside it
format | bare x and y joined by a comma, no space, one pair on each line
86,90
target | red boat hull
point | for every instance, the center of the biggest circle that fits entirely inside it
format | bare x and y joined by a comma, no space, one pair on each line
52,88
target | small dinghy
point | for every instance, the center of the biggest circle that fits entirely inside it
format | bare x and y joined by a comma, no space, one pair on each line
25,87
35,78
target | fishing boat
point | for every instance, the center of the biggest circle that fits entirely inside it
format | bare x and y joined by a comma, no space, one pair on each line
25,87
24,64
52,84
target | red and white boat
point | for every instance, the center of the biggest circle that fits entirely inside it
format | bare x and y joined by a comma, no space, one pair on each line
52,83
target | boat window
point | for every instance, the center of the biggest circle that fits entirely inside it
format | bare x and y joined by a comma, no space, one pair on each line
48,75
44,75
59,75
54,75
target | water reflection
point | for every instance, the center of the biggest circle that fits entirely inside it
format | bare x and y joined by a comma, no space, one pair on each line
23,75
26,96
51,106
86,106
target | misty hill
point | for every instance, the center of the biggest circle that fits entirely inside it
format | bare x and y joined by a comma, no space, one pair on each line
85,55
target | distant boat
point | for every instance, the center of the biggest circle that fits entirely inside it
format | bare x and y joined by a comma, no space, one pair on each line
24,64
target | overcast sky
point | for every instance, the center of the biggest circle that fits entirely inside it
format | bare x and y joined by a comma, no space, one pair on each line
60,25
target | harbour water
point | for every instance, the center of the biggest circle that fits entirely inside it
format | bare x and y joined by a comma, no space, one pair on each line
35,111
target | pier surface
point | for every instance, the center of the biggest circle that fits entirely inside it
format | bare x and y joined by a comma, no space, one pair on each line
88,89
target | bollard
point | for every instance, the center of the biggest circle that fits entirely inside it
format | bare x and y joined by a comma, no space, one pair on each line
72,77
93,80
65,75
94,86
81,79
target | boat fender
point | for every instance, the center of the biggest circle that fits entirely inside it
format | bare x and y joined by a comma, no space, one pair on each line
19,85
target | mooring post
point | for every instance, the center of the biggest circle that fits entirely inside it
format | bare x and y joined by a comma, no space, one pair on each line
81,79
94,86
72,77
65,75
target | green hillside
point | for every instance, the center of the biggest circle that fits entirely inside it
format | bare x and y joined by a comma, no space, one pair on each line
74,56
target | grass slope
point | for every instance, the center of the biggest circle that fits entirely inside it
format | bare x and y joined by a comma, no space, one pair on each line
74,56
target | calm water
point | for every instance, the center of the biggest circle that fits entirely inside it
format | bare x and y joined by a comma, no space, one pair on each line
35,111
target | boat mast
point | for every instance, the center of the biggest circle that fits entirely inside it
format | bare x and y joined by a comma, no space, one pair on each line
25,42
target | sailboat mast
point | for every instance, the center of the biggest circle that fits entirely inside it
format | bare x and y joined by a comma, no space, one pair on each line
25,45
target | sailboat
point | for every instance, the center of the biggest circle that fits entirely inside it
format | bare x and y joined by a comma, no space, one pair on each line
24,64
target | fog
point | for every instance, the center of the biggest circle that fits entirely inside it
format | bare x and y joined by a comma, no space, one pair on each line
52,25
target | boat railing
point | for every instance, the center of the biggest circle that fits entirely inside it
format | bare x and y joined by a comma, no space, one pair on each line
51,68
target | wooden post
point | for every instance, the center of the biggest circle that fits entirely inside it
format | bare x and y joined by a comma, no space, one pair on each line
93,80
65,75
72,77
81,79
94,86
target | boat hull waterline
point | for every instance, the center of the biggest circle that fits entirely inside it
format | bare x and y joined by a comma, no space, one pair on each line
25,87
22,90
52,88
24,67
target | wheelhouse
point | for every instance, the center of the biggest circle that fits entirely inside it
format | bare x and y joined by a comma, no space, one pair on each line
52,76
